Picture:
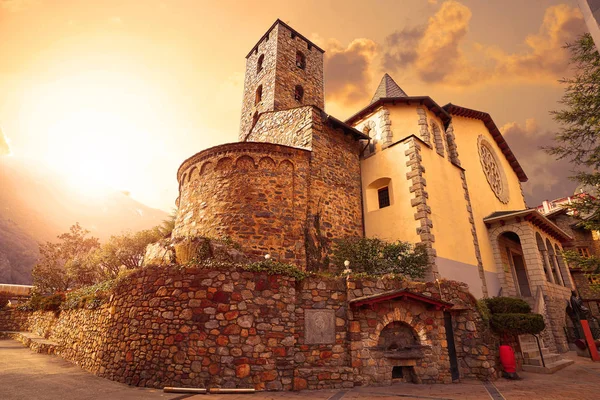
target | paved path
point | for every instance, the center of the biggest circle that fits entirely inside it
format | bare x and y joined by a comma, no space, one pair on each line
28,375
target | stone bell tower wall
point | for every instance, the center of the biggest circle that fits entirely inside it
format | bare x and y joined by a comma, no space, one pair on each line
254,193
272,65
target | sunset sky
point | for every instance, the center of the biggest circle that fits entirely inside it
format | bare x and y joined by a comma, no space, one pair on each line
119,93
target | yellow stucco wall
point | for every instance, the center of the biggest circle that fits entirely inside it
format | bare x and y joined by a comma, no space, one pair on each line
483,200
405,121
395,222
451,227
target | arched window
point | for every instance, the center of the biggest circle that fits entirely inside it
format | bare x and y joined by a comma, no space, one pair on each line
299,93
254,119
258,97
259,64
300,60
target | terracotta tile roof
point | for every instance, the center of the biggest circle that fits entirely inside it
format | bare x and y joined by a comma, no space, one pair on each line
416,100
387,89
491,126
530,215
401,294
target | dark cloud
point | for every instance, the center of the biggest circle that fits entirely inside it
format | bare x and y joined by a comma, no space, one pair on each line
435,52
401,47
4,147
347,70
548,177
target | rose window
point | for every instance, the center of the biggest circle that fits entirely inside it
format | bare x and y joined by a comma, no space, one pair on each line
492,170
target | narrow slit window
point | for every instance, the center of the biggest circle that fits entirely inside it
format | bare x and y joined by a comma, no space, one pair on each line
299,93
383,195
258,95
583,251
259,64
300,60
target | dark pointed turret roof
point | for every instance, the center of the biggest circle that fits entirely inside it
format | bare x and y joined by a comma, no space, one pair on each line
387,89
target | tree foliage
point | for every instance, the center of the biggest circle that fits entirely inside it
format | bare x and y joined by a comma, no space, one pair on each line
63,264
517,324
578,139
590,265
507,305
167,225
377,257
122,252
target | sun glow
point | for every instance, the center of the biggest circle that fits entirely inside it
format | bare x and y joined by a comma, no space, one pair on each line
94,127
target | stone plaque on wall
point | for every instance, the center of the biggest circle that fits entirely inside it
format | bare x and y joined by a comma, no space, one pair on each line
319,326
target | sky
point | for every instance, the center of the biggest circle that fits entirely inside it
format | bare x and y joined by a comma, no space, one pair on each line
117,93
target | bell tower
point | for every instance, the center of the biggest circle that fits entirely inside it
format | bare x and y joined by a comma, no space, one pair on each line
283,70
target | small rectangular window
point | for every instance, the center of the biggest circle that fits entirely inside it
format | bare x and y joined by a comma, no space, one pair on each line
583,251
384,197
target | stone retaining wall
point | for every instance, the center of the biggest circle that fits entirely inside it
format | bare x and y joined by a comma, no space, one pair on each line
176,326
13,320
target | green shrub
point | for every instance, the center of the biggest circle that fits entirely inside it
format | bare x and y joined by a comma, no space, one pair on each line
484,310
52,302
276,268
507,305
374,256
4,297
517,324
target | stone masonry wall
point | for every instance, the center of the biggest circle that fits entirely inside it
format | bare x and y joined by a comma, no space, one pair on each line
476,347
289,128
190,327
288,75
334,204
254,193
267,48
13,320
323,365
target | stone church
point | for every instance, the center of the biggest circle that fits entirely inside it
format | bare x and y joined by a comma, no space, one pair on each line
401,168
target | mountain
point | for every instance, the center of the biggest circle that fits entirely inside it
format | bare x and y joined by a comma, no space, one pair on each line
36,206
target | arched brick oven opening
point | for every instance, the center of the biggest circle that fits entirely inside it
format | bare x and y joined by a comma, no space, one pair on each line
401,346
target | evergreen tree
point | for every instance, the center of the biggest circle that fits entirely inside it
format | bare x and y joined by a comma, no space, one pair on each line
578,139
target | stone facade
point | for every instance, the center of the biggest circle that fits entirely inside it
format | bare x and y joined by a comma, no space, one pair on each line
280,74
253,193
292,185
547,295
175,326
582,239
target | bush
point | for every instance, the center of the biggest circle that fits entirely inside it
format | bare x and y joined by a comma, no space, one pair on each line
276,268
373,256
517,324
52,302
507,305
4,297
484,310
44,303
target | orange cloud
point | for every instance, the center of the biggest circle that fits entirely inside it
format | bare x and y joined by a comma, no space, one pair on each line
437,55
347,70
545,55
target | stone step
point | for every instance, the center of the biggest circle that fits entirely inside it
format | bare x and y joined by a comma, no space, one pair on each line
548,359
535,353
34,342
549,368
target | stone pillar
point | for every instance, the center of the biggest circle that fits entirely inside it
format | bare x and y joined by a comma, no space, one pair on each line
557,268
547,267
